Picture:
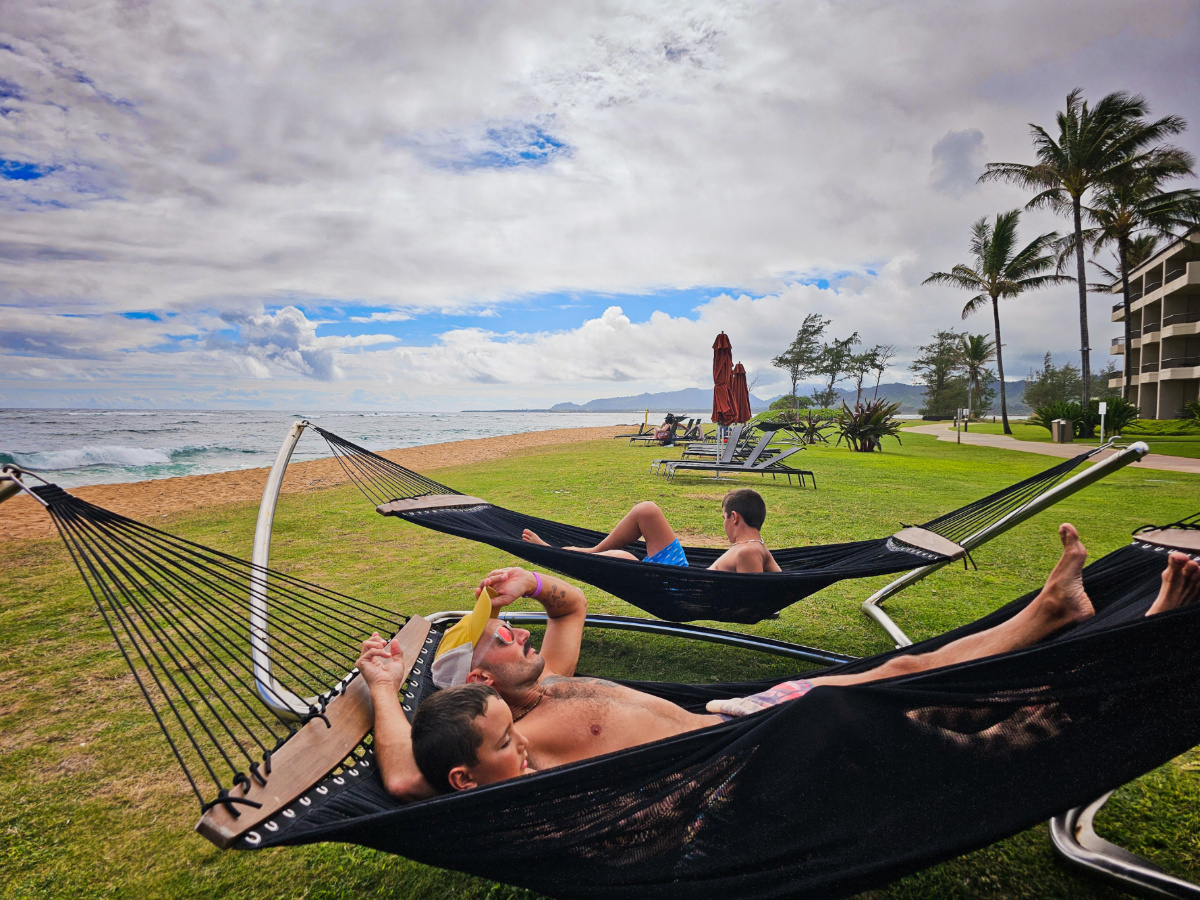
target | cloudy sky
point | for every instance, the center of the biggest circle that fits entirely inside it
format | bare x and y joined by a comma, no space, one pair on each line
432,206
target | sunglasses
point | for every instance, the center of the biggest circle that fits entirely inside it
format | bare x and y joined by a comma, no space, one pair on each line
505,634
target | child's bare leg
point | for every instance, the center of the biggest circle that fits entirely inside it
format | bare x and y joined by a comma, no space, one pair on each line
1180,584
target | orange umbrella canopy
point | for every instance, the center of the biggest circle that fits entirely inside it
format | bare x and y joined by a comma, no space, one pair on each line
724,407
741,394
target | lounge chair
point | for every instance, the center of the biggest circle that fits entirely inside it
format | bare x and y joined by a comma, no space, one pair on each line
643,429
728,450
755,462
678,426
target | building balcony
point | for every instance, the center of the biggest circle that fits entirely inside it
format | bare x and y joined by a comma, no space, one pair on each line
1180,362
1180,318
1151,328
1118,347
1149,367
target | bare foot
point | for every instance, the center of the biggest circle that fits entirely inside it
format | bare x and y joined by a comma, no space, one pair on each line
1064,593
532,538
1180,584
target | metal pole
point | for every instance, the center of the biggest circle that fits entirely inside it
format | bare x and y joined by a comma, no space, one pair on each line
872,606
281,701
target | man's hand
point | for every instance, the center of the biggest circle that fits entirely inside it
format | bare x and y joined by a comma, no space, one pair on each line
509,584
377,661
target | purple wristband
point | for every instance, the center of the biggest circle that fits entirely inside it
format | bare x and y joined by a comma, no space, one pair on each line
537,593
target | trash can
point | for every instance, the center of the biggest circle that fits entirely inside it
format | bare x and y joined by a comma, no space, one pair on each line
1062,431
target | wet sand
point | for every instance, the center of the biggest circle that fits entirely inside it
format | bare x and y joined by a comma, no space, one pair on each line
21,518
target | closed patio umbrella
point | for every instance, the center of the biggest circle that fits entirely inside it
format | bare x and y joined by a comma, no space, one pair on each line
741,394
724,410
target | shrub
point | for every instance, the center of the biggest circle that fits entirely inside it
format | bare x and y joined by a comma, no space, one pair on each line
1060,409
865,427
787,401
1162,428
1120,415
811,426
1191,410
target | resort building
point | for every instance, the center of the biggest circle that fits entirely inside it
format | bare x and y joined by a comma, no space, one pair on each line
1164,352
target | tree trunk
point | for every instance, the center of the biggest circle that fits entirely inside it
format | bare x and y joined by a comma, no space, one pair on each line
967,421
1123,258
1000,367
1085,352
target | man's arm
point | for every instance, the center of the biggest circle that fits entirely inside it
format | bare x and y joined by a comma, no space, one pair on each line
393,735
566,609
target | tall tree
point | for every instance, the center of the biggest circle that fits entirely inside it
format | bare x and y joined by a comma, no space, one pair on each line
859,365
801,357
935,365
975,351
884,354
833,365
1136,203
1000,270
1094,146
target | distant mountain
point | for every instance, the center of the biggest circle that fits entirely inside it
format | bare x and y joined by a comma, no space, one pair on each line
910,396
687,400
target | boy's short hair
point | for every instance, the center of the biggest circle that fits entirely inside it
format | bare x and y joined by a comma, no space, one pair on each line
747,503
444,733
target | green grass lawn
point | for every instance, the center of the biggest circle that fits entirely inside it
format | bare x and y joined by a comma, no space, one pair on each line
91,804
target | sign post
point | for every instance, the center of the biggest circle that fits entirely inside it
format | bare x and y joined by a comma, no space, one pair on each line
1103,410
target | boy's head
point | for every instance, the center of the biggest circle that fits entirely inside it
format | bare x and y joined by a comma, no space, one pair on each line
748,504
464,737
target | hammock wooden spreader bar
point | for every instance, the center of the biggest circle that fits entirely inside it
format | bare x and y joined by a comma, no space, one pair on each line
308,755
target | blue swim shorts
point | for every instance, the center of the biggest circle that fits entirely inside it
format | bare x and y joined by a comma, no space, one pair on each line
670,555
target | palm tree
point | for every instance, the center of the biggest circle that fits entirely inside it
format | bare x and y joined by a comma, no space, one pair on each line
1135,204
1000,270
975,351
1095,146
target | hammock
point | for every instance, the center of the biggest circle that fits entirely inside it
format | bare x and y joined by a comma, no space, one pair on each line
791,802
685,594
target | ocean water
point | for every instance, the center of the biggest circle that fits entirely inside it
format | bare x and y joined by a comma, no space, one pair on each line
102,446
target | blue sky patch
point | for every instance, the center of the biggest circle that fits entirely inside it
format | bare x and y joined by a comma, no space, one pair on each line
551,312
18,170
10,90
493,145
153,317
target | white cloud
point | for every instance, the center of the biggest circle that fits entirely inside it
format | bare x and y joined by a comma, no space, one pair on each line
433,161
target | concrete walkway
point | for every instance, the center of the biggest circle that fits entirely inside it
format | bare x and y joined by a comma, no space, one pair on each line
944,432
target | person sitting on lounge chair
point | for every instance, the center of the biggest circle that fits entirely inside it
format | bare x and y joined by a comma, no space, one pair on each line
666,430
493,678
744,511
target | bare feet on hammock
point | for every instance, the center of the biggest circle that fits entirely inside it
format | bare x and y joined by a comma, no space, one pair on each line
531,537
1063,596
1180,584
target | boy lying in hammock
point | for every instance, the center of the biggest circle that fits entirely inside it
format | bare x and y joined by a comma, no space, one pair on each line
744,511
467,735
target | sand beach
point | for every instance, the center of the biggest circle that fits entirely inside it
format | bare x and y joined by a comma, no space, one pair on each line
148,501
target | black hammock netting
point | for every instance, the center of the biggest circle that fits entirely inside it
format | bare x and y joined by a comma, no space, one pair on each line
841,791
680,594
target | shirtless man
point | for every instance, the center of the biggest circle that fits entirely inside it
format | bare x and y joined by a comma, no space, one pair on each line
564,719
744,512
